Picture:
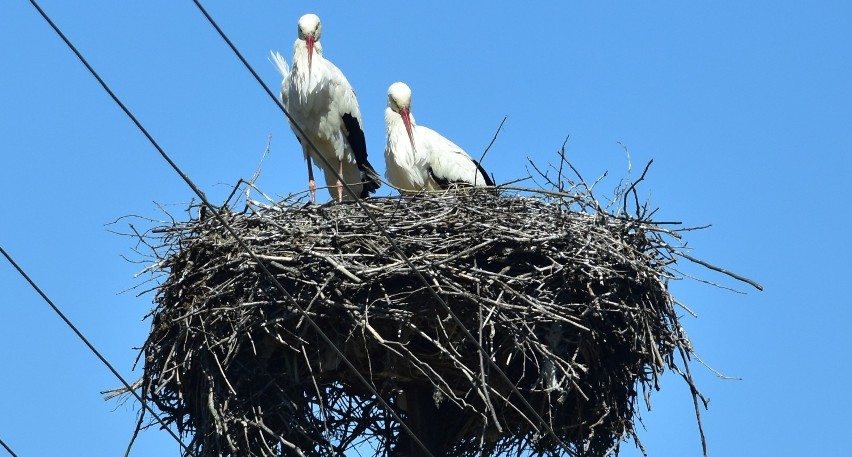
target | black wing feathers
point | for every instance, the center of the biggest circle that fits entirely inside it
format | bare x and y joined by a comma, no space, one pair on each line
488,181
445,183
355,137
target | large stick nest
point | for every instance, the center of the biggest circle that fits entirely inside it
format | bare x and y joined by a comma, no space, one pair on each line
570,302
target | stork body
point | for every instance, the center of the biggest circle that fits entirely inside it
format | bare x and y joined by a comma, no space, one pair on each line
419,158
320,99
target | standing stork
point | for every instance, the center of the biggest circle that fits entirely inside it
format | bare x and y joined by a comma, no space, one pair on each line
322,102
418,157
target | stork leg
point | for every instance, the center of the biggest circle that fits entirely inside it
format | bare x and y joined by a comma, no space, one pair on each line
339,182
312,185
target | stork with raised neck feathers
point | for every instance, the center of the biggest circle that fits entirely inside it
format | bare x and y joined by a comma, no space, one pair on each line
322,102
419,158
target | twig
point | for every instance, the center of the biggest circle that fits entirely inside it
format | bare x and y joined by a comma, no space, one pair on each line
494,138
632,188
719,269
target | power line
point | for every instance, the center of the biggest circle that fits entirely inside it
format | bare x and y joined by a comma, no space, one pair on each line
386,234
230,230
86,341
7,448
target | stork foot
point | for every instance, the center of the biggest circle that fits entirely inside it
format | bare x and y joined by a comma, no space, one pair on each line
312,186
340,191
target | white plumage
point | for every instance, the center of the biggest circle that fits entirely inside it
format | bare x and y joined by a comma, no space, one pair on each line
321,100
418,157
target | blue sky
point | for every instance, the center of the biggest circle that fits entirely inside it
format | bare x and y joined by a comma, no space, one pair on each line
745,107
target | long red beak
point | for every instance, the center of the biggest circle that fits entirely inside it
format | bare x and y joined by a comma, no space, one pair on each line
310,41
405,112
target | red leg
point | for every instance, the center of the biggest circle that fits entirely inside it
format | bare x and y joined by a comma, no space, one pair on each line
312,185
339,182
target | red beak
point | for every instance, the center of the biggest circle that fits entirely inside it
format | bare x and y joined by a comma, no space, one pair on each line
404,112
310,40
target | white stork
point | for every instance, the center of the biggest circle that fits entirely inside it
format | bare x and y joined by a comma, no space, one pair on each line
322,102
418,157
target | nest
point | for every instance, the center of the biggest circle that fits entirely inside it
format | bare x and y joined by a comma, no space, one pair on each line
568,301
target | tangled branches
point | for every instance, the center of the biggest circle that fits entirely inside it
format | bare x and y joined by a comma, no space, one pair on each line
570,302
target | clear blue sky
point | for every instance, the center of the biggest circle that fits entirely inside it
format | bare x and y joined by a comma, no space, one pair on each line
745,107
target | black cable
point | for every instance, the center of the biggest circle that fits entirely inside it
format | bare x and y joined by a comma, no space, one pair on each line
86,341
9,450
387,235
230,230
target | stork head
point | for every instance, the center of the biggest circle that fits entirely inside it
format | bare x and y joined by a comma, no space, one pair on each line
399,100
310,30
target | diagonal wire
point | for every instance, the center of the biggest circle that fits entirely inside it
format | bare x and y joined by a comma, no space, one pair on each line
468,335
86,341
230,230
7,448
